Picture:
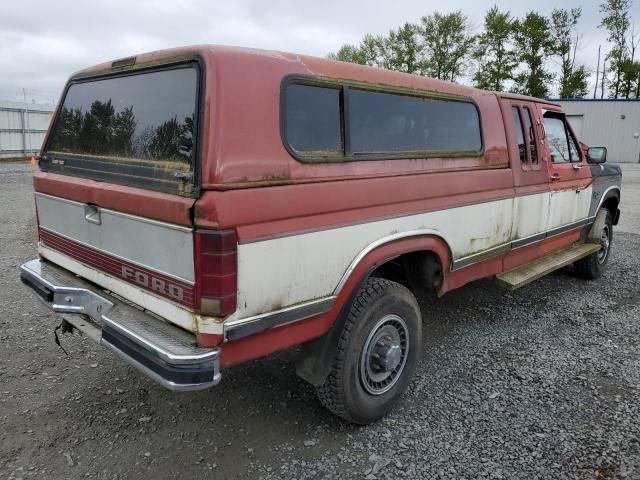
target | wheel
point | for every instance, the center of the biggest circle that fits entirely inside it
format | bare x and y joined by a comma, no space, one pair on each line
591,267
376,355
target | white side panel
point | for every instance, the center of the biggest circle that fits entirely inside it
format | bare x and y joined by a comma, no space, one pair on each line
530,215
568,206
273,274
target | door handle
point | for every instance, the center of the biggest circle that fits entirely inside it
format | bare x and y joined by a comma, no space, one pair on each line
576,166
92,214
555,177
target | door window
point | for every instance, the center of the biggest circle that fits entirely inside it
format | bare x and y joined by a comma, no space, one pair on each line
557,139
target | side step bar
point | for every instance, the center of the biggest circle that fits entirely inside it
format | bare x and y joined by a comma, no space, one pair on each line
520,276
163,352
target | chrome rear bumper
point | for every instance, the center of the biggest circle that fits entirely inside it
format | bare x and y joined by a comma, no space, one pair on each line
165,353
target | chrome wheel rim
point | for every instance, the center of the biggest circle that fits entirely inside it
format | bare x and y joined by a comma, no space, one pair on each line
384,354
605,243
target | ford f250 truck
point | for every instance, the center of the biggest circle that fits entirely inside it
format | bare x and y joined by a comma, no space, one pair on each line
201,207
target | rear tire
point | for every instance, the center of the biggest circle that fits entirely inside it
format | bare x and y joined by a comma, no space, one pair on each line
591,267
376,355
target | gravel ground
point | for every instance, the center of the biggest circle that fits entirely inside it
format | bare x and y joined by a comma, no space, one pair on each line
539,383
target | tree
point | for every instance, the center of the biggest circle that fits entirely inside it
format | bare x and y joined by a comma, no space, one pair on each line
371,51
616,20
631,79
573,81
403,50
124,128
577,84
348,53
447,42
533,44
497,60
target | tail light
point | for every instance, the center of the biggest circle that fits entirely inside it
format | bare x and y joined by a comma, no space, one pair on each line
216,258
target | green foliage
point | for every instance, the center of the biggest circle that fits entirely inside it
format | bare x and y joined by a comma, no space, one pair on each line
494,51
447,43
533,44
371,51
576,84
509,53
348,53
403,50
617,21
630,79
573,81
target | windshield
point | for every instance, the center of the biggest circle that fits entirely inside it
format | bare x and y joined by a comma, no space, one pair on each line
132,129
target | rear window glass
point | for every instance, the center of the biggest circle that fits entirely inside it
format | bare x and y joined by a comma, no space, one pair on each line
313,119
136,126
385,122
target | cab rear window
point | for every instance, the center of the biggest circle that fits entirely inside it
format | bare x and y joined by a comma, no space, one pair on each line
134,129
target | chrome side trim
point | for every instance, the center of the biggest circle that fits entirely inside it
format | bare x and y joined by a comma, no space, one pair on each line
378,243
524,241
567,227
244,327
478,257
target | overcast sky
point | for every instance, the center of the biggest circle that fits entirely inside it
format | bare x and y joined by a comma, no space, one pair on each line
43,42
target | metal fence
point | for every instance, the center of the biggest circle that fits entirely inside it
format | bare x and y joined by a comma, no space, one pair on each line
22,128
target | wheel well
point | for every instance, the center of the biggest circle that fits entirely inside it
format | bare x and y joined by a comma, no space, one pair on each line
611,204
420,271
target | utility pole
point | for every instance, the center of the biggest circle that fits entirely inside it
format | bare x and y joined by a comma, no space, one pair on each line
25,123
604,69
595,90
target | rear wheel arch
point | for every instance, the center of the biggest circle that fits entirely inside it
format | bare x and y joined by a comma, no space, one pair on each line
424,249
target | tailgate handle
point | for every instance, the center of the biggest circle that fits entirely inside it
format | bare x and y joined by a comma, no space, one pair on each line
92,214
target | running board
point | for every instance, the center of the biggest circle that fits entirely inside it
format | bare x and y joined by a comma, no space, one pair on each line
529,272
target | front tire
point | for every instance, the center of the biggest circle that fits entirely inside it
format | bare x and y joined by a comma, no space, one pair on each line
593,266
376,355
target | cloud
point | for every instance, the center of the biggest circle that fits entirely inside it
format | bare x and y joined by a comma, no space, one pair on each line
42,43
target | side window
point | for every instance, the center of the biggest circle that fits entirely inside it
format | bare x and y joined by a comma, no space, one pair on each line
313,122
327,122
557,139
389,123
533,147
573,148
519,134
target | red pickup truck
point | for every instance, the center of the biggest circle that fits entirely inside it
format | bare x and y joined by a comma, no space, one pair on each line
205,206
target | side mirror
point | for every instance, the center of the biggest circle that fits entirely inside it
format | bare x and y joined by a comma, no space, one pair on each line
597,155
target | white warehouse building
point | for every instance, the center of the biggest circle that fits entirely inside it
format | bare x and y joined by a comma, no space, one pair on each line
22,128
611,123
